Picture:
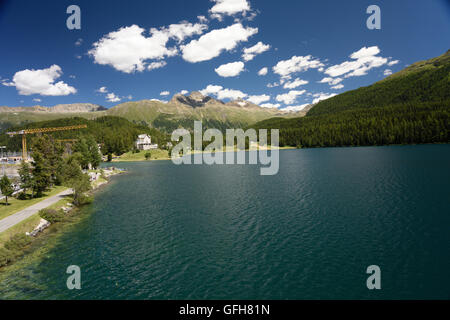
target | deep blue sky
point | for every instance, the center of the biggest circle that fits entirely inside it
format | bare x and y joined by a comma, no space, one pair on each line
33,36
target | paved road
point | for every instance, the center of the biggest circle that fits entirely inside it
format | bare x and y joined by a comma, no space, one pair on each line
17,217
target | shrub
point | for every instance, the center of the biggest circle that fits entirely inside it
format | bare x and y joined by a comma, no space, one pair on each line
84,199
17,242
22,196
102,174
51,215
6,257
148,155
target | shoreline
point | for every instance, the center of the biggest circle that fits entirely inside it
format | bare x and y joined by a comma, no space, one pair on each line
118,160
43,228
195,152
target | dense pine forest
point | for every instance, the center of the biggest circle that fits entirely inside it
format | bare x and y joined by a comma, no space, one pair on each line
409,107
425,81
396,124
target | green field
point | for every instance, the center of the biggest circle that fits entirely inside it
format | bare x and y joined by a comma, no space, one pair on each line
26,225
15,205
157,154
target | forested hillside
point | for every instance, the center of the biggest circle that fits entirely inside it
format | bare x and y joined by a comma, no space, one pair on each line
411,106
423,81
117,135
396,124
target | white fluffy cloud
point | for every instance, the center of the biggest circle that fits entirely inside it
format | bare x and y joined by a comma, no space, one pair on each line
41,81
164,93
222,93
229,7
365,52
364,60
202,19
259,99
184,92
387,72
263,71
128,49
296,64
322,96
270,105
111,97
181,31
250,53
393,62
211,89
290,97
231,69
158,100
37,100
295,84
230,94
295,108
337,87
275,84
331,81
156,65
213,43
102,90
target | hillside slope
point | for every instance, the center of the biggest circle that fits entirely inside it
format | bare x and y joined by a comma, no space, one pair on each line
181,111
14,116
411,106
116,135
424,81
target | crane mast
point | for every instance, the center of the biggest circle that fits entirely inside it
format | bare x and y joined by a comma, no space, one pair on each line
40,130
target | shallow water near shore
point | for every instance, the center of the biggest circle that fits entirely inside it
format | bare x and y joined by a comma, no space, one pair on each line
163,231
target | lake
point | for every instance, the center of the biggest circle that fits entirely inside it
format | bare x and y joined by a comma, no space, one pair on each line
163,231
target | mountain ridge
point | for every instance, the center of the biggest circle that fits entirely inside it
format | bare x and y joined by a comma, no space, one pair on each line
59,108
423,81
181,110
411,106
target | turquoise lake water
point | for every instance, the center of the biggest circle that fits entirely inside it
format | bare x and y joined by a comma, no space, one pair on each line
225,232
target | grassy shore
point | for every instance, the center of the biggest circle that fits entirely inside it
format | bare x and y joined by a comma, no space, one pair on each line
156,154
32,222
15,205
164,154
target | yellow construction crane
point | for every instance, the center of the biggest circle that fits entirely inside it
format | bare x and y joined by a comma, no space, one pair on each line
40,130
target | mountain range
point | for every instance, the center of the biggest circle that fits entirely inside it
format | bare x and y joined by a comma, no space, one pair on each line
181,110
410,106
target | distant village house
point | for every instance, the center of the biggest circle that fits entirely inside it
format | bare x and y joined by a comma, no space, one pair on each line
144,142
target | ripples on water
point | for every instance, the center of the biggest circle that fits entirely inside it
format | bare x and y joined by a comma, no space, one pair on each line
219,232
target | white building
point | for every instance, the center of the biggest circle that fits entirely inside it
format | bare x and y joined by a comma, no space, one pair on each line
144,142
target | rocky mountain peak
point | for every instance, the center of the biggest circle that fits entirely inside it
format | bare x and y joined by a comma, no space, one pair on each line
194,100
197,96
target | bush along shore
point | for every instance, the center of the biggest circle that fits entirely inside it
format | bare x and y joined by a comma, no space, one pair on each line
51,169
16,241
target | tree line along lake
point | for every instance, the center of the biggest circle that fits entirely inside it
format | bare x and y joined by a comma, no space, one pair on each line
163,231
